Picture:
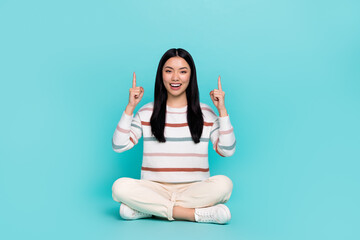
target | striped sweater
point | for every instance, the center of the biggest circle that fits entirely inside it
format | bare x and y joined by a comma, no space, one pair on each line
179,159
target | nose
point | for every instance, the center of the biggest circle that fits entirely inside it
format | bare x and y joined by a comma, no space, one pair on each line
175,77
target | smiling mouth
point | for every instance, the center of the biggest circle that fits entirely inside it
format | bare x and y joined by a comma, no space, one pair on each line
175,86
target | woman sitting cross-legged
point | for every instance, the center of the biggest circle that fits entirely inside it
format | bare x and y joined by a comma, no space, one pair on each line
176,128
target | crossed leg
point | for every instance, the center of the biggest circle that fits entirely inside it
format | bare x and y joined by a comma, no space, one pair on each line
172,201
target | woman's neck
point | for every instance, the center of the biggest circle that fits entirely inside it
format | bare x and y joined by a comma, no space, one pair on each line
176,102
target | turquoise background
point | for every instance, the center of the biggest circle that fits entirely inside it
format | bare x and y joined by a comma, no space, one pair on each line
290,70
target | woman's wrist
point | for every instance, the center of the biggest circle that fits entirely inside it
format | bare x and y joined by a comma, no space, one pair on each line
222,112
129,110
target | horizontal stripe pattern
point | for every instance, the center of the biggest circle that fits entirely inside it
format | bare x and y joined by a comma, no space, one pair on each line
175,124
134,125
178,159
151,109
145,109
229,148
226,131
117,147
175,112
173,139
122,130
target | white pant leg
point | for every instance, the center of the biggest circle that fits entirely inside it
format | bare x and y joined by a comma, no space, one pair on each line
145,196
214,190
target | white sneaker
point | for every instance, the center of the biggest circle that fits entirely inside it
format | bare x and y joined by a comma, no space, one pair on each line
214,214
130,214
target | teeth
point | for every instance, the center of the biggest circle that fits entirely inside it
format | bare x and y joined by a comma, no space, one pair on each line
175,85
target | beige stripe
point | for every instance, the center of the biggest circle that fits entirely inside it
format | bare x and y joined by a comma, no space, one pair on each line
146,109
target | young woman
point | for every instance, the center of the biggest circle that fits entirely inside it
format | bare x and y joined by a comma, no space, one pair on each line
176,128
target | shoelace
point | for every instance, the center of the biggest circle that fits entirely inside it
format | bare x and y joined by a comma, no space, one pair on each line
207,216
136,212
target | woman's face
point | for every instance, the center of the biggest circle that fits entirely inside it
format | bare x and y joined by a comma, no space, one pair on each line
176,76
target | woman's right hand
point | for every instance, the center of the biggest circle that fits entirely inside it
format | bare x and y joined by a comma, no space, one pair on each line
135,96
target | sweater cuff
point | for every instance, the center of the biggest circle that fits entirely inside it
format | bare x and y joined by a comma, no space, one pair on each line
224,123
125,120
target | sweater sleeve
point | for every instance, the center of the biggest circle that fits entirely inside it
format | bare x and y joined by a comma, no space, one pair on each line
222,136
127,133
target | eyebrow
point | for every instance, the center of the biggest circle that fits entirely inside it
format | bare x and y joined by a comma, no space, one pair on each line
172,68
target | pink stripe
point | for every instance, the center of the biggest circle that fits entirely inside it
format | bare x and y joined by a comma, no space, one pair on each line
122,130
146,109
227,131
208,109
175,154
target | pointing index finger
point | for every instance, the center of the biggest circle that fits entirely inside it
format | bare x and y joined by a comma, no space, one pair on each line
219,84
134,80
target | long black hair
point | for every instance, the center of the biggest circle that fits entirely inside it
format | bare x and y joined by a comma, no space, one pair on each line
195,118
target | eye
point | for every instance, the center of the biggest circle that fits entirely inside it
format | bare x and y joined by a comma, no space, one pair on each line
183,71
167,71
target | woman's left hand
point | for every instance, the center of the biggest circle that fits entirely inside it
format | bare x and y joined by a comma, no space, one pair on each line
218,98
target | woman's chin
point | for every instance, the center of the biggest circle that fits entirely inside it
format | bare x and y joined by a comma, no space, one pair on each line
175,94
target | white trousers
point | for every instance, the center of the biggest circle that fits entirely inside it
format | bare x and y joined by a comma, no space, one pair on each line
159,198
